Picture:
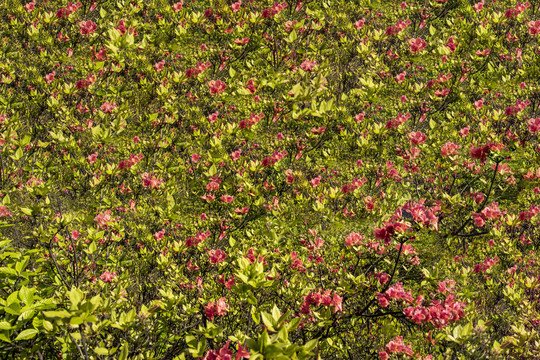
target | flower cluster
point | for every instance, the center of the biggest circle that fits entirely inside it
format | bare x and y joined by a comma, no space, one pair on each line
321,299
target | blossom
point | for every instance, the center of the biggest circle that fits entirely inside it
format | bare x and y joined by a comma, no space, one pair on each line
417,137
353,239
50,77
480,152
223,354
416,45
212,118
107,107
220,308
178,5
236,6
103,219
150,181
227,199
479,6
4,211
92,158
360,23
534,27
308,65
30,6
449,148
534,125
359,117
216,256
216,86
159,66
87,27
107,276
401,77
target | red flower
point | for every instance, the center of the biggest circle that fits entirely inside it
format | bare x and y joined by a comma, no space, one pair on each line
50,77
534,27
216,86
417,137
87,27
416,45
108,107
480,152
235,7
107,276
178,5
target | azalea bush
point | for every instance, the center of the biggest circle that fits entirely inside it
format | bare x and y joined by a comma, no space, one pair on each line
220,179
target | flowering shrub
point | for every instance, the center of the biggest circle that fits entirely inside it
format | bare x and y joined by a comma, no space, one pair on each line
269,180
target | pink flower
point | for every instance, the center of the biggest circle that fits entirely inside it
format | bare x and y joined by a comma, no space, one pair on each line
401,77
4,211
92,158
236,6
308,65
243,352
534,125
359,117
150,181
178,5
479,6
492,211
534,27
235,155
223,354
216,86
480,152
360,23
465,131
103,219
87,27
337,303
479,104
159,235
478,219
195,157
50,77
353,239
227,199
222,306
159,66
30,6
216,256
107,276
416,45
417,137
108,107
212,118
449,149
383,301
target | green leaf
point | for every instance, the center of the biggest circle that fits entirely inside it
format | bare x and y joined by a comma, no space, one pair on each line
292,37
18,154
101,351
4,325
76,296
27,334
26,295
47,325
310,345
124,352
268,321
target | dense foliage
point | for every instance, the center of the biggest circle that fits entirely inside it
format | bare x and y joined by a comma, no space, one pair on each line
282,180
